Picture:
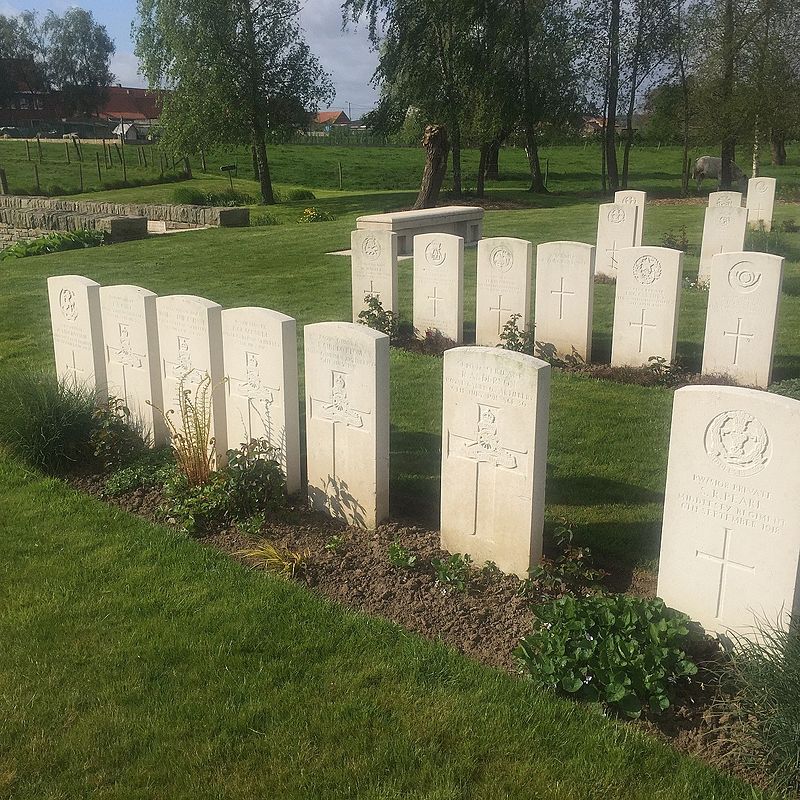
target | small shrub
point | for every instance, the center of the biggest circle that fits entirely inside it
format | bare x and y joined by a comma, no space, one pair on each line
619,650
314,214
435,342
667,373
761,240
228,198
512,337
548,352
115,439
453,573
401,557
54,243
277,560
376,317
152,468
676,240
765,675
47,424
789,226
188,196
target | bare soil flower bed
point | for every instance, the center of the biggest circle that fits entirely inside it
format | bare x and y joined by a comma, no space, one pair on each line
352,567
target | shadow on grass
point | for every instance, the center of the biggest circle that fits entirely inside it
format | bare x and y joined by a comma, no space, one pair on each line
590,490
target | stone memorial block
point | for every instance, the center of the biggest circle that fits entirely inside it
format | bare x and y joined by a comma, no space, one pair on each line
190,342
260,355
132,357
724,230
374,269
503,286
725,199
77,332
742,316
439,285
494,456
347,421
730,543
616,229
646,305
760,202
629,197
565,297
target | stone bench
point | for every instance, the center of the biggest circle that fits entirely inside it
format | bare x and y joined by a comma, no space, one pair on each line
464,221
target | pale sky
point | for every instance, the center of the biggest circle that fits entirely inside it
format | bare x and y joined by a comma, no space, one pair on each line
346,56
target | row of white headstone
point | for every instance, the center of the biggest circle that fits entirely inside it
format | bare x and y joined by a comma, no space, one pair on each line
741,321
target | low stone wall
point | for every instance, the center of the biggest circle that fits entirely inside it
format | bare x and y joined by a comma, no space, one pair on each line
175,216
21,224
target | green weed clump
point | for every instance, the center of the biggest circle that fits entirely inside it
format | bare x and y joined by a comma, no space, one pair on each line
375,316
765,672
619,650
54,243
314,214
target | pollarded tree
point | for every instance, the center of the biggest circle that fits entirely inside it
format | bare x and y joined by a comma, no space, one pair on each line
235,70
77,56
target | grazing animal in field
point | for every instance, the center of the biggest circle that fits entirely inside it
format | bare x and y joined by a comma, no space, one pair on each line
711,167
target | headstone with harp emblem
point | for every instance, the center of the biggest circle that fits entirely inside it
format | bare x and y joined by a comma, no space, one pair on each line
730,543
260,355
190,342
373,256
494,455
133,363
503,286
742,317
347,421
77,332
616,229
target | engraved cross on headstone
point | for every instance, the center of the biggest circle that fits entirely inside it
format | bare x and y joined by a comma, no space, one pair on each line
611,252
725,563
73,370
182,369
371,291
257,395
561,291
124,357
641,325
739,335
435,297
499,311
484,449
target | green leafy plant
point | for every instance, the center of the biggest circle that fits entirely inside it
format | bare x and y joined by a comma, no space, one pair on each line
401,557
54,243
453,573
676,240
667,373
375,316
47,424
548,352
252,526
152,468
512,337
568,571
619,650
278,560
764,672
314,214
334,544
116,439
293,195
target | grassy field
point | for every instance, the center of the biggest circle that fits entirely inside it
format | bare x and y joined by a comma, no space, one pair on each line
138,664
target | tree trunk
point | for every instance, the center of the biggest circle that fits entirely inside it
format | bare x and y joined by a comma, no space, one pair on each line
777,146
685,98
493,161
532,149
264,179
255,162
455,146
626,156
728,151
756,150
436,147
613,98
482,165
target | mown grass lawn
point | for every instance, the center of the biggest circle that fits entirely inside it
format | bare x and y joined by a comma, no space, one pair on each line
136,663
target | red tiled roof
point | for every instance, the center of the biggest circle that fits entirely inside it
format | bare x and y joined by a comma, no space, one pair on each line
131,104
333,117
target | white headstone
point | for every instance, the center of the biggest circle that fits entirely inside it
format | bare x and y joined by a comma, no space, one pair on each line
503,286
190,341
565,297
77,332
133,361
260,355
374,269
494,456
616,229
646,305
730,544
439,285
742,316
347,421
725,199
724,230
629,197
760,202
